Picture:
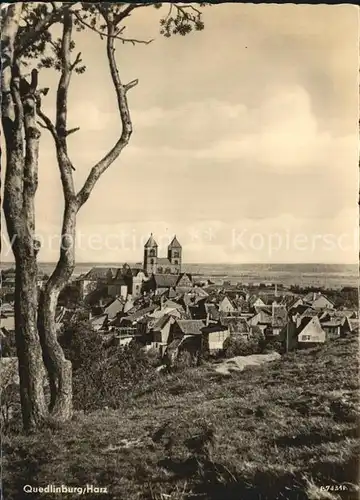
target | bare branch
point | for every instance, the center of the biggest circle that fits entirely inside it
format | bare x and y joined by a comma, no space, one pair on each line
63,87
169,12
77,61
126,132
72,131
131,84
47,124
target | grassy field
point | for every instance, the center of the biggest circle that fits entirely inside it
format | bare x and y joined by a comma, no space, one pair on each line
284,430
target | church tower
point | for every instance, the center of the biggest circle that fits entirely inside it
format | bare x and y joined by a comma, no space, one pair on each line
174,255
150,255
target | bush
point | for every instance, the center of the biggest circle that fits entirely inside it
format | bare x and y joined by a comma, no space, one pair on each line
103,375
239,346
10,406
8,345
273,345
82,345
111,379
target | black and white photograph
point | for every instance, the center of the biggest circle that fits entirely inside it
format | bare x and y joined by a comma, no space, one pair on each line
179,251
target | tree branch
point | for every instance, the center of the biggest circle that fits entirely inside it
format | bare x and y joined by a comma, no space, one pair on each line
113,35
126,12
76,62
64,162
32,138
126,132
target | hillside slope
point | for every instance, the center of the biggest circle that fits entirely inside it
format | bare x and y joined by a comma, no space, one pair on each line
288,429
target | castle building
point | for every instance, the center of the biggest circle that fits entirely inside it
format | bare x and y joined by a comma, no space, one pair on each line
153,264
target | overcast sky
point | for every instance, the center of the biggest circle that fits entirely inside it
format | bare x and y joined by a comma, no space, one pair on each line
242,131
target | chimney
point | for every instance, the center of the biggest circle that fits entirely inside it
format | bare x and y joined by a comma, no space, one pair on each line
276,292
273,306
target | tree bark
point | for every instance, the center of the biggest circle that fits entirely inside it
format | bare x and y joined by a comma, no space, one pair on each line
19,211
58,367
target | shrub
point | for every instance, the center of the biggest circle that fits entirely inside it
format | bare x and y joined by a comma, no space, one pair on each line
8,345
103,374
239,346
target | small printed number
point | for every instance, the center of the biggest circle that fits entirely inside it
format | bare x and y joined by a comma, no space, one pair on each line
334,487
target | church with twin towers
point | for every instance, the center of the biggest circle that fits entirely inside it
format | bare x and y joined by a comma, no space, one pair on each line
153,264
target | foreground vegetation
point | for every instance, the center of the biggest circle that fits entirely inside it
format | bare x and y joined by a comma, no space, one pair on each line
282,430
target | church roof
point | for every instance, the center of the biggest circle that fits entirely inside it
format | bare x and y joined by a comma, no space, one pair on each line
151,243
174,243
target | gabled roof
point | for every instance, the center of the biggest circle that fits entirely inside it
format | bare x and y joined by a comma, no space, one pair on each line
236,324
96,295
171,303
289,300
100,273
191,326
315,323
114,308
151,243
263,317
172,293
279,316
174,243
214,328
165,280
98,321
309,313
332,322
141,313
212,311
159,323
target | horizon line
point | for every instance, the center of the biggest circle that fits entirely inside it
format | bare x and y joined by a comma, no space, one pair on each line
207,263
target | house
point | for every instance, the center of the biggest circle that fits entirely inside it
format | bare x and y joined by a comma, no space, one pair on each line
185,335
262,319
334,324
8,277
159,333
136,316
115,307
134,279
291,302
187,327
97,275
310,332
226,305
211,312
256,302
318,300
305,332
161,282
7,321
118,286
98,297
215,336
238,326
99,323
185,282
279,319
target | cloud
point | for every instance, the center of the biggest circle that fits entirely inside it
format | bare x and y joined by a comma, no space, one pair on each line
287,138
